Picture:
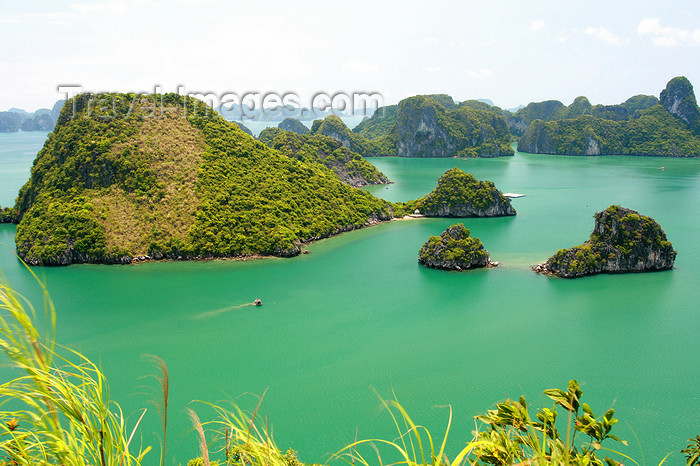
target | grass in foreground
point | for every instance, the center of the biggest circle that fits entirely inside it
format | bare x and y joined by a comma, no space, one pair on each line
59,412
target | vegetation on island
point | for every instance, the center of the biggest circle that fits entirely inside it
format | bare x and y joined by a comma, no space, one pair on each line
16,119
293,125
459,194
622,241
454,249
349,166
121,179
670,127
333,127
243,128
425,126
379,124
59,411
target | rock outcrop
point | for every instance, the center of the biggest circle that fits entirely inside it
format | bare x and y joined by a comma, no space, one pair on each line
459,194
454,249
426,128
622,241
293,125
679,99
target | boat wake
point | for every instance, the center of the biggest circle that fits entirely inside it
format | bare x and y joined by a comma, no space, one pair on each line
224,310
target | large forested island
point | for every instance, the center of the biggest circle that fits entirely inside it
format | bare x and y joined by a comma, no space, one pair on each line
623,240
642,125
121,179
110,185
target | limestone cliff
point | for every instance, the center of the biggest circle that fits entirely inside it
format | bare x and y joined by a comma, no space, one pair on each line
639,126
426,128
679,99
622,241
454,249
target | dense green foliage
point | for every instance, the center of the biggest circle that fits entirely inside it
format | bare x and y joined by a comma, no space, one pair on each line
514,436
454,249
255,200
243,128
268,135
350,167
379,124
7,215
642,125
293,125
428,126
333,127
459,194
553,110
622,241
115,181
655,132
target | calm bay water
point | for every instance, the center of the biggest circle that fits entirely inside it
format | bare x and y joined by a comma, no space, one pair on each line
359,312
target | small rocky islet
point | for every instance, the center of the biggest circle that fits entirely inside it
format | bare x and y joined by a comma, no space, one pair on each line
622,241
454,249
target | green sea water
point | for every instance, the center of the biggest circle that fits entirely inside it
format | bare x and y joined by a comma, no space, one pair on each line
359,314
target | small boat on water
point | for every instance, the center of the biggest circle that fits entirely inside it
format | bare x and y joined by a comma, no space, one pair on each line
513,195
257,302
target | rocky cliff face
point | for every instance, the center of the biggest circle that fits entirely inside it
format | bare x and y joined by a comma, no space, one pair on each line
679,99
622,241
668,129
459,194
426,128
454,249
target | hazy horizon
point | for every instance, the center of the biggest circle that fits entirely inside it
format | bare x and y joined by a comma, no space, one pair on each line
510,53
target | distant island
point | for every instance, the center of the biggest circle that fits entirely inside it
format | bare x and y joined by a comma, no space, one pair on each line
623,240
642,125
454,249
425,126
115,185
16,119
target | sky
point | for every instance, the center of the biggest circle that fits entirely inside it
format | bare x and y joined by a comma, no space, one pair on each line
512,52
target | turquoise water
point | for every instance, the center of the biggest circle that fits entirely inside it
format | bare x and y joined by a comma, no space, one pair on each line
359,312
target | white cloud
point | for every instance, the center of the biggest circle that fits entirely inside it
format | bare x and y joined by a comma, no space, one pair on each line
665,36
430,40
603,34
358,65
481,73
433,69
537,24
